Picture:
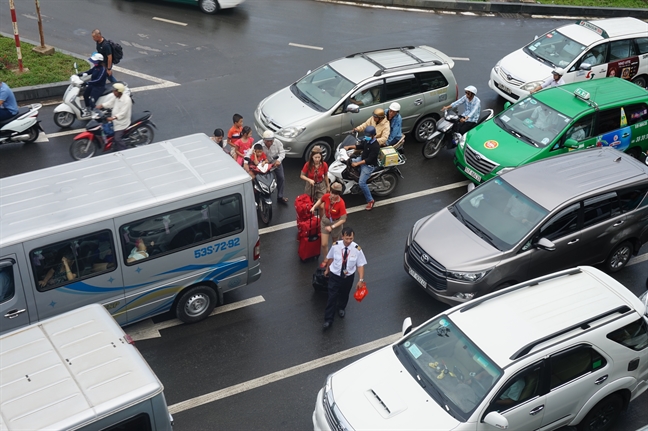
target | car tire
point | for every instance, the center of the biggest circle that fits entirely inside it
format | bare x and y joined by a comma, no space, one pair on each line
209,7
195,304
619,257
641,81
327,151
603,415
424,128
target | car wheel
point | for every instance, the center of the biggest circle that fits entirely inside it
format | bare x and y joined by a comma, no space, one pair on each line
424,128
619,257
641,81
195,304
603,415
324,145
64,119
432,147
208,6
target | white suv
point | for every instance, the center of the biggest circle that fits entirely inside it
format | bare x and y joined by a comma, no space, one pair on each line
570,348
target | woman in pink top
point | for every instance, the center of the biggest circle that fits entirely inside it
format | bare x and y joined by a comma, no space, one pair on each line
243,144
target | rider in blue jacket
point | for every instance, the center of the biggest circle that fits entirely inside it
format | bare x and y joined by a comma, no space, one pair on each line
97,83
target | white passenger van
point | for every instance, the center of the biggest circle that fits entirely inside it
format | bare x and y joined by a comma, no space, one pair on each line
78,371
169,226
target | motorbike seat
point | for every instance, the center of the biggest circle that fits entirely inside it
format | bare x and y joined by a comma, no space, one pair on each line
21,111
140,117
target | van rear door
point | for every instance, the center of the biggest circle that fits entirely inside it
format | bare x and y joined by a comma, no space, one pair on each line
13,304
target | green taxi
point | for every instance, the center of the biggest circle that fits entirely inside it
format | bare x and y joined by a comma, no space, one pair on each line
602,112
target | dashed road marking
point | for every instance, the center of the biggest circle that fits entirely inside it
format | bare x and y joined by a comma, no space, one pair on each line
299,45
184,24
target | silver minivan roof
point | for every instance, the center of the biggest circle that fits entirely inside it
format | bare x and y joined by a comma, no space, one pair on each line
553,181
65,196
67,371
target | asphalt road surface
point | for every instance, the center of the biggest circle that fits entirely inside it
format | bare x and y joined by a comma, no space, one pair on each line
260,364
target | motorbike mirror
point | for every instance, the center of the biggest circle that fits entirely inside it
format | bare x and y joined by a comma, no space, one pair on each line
571,143
75,67
545,244
352,107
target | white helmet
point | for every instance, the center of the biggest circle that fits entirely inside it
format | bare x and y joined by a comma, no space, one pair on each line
558,71
268,135
95,57
394,107
472,89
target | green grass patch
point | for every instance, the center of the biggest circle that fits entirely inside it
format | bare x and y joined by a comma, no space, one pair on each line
641,4
43,69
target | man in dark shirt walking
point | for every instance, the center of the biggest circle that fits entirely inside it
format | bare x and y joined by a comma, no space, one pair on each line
104,48
367,161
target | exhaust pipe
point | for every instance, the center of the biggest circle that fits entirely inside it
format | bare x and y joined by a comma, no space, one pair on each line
20,138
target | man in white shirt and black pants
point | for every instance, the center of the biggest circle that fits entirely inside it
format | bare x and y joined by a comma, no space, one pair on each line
342,261
122,107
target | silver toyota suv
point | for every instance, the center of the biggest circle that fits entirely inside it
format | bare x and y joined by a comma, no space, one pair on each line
312,110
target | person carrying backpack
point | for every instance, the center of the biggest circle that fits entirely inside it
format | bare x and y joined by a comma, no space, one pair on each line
105,48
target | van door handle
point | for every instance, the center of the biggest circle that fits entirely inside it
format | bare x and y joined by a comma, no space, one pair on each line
600,380
536,410
14,313
573,241
418,102
619,223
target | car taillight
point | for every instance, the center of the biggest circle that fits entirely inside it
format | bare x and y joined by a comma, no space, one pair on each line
257,249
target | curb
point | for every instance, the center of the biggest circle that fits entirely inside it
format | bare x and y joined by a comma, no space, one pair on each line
40,92
507,8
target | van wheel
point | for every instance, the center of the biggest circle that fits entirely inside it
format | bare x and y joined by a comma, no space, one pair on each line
603,416
619,257
324,145
641,81
424,128
195,304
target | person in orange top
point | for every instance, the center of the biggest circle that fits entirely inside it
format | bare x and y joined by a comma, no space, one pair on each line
234,133
335,215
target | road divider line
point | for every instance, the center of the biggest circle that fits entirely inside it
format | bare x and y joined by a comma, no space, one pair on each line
385,202
184,24
299,45
638,259
460,58
145,76
282,374
66,132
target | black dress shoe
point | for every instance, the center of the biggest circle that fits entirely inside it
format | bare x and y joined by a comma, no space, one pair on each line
341,313
326,325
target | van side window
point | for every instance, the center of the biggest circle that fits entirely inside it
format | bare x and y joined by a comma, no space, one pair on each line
72,260
573,363
642,45
563,223
180,229
634,336
401,86
620,49
636,113
368,95
630,199
432,80
600,208
580,131
141,422
7,287
596,55
607,121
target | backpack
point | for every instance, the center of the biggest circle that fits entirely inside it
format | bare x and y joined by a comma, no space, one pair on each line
117,52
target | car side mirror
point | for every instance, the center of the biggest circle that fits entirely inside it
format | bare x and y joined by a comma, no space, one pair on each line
585,66
545,244
407,326
497,420
571,143
352,107
507,105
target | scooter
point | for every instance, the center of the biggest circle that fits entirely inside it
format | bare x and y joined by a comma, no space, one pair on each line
72,106
264,184
443,135
22,127
98,136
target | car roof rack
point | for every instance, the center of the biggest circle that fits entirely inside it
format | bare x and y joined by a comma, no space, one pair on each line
585,324
403,49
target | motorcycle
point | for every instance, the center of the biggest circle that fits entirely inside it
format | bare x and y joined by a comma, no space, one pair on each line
98,136
264,184
72,106
443,135
22,127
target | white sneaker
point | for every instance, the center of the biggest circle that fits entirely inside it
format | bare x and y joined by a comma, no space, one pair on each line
85,112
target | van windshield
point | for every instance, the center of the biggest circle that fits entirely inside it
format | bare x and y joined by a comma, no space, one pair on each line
554,49
498,213
449,366
533,122
322,89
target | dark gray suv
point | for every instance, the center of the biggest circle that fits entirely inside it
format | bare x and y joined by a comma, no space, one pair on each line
582,208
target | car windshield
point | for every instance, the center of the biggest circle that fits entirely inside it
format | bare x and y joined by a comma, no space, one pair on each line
554,49
323,88
498,213
533,122
449,366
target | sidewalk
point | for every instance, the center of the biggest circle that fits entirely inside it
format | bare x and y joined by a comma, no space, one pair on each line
507,7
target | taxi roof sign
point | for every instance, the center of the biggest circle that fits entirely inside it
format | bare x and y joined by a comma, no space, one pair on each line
596,29
581,94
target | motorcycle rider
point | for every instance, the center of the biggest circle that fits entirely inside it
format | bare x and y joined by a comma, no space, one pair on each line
367,161
95,87
274,147
555,80
8,104
380,125
471,113
122,106
395,123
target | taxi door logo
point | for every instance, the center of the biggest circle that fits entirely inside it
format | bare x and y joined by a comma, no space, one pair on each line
491,145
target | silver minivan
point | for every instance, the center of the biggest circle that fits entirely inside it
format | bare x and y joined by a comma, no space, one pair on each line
582,208
312,112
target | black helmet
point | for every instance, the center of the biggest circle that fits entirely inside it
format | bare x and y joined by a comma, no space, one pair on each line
370,131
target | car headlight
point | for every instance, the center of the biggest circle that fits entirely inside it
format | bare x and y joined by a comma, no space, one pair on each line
464,296
505,170
497,67
339,421
257,111
531,85
290,132
467,276
462,141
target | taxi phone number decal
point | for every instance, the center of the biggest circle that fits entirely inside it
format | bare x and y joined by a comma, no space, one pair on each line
219,246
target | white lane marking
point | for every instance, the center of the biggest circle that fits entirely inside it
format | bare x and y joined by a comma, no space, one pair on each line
460,58
282,374
145,76
390,201
147,329
184,24
299,45
66,132
42,137
638,259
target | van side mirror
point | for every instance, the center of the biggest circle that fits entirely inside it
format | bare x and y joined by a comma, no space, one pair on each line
497,420
407,326
507,105
545,244
352,107
585,66
571,143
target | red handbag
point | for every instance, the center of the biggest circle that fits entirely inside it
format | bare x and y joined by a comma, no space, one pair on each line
361,292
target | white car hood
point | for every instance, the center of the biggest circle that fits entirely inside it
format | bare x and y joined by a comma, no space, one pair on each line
524,67
285,109
378,393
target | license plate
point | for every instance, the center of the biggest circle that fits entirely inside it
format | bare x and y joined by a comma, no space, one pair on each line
504,88
418,278
472,173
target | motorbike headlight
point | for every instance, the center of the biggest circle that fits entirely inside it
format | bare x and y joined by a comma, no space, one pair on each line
504,170
264,188
290,132
531,85
467,276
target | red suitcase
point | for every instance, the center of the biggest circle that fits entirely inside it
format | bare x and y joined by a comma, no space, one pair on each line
308,227
303,204
309,247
